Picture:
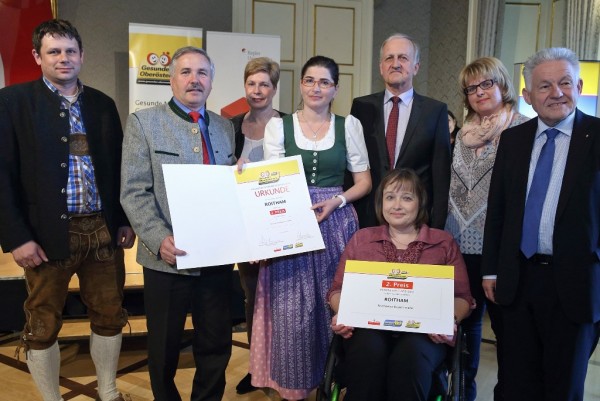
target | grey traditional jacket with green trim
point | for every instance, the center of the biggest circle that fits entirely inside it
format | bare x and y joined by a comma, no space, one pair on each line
163,135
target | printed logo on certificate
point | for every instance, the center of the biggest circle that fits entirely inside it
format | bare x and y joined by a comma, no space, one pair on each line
398,297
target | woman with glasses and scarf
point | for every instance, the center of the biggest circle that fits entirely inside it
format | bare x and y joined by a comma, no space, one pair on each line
490,101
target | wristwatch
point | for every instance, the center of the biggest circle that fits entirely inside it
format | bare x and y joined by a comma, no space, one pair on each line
343,198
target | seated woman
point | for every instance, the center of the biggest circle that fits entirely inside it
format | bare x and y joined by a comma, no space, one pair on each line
386,365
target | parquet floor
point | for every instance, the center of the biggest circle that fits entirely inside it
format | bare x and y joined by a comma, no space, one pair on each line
78,381
78,377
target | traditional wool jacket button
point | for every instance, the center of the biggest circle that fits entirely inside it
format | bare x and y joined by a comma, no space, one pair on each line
62,114
64,139
63,216
196,149
63,165
194,130
62,190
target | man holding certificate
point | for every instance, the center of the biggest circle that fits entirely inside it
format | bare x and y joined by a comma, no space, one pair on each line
386,365
179,132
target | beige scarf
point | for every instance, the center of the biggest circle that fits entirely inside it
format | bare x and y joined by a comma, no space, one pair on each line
478,131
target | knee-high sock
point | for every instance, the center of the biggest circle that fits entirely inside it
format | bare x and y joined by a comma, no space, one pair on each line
44,366
105,354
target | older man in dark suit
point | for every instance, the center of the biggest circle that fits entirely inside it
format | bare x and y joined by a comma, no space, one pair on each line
404,130
60,161
542,236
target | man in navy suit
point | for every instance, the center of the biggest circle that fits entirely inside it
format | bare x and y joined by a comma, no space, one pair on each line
542,242
418,137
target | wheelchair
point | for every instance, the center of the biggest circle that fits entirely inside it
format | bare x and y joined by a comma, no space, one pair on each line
448,381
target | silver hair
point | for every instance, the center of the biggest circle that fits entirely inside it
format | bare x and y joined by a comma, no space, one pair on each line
190,49
415,45
550,54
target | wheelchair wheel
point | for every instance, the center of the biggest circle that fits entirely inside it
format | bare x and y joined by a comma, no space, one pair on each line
329,389
456,374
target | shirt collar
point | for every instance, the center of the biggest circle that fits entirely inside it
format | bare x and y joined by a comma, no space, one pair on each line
426,235
55,89
406,97
187,109
565,126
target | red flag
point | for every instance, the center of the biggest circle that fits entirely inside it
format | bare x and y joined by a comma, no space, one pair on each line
18,19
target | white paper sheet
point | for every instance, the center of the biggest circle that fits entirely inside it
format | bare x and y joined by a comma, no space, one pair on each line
221,217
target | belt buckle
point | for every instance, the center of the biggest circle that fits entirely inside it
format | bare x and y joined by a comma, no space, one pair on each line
540,259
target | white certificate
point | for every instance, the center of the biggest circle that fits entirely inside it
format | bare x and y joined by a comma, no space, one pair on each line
220,216
398,296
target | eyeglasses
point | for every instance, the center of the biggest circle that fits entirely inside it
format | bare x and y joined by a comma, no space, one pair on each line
323,83
487,84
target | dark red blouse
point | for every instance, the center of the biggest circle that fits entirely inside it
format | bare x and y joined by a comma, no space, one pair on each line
439,248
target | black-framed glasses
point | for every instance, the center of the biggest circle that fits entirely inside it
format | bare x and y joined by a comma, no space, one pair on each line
487,84
323,83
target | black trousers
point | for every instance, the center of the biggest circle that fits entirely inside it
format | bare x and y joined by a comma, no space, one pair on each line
167,299
545,353
381,365
472,327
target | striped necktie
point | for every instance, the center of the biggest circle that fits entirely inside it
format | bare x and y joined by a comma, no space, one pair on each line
391,131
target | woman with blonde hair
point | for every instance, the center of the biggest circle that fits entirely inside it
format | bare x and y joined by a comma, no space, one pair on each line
261,77
490,101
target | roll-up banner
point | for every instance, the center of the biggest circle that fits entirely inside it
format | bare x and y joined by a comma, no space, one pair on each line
151,48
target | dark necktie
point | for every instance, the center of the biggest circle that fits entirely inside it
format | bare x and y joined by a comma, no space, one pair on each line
537,196
391,131
195,115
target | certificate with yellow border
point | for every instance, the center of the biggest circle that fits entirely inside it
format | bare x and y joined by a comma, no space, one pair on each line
220,216
398,297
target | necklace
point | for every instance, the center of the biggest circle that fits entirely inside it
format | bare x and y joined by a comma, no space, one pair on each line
315,133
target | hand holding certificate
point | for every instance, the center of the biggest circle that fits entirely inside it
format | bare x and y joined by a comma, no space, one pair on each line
221,216
398,297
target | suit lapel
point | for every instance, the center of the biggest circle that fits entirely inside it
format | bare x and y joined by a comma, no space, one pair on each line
415,114
379,129
523,162
380,119
579,147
